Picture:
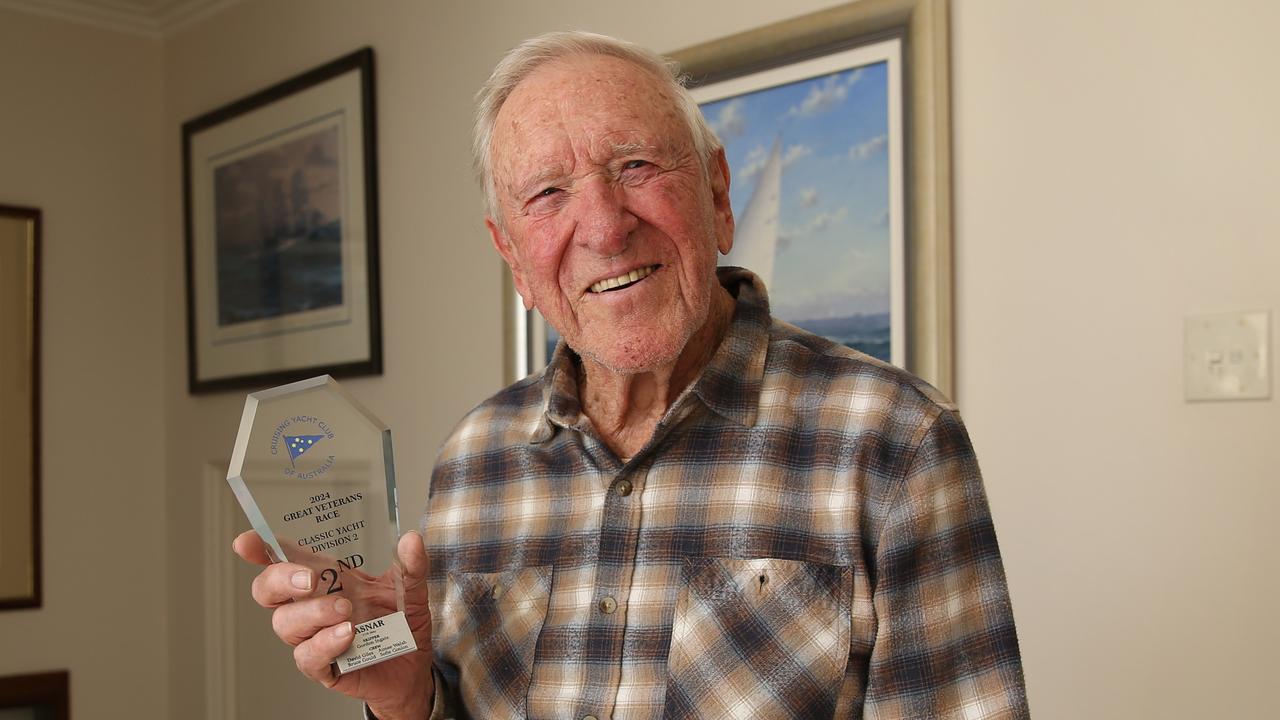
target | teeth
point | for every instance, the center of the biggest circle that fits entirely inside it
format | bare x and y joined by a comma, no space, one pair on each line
624,279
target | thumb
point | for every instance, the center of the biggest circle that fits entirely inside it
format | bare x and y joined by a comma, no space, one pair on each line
414,565
413,558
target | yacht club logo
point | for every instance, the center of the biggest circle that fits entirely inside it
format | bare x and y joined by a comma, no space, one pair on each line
299,444
297,437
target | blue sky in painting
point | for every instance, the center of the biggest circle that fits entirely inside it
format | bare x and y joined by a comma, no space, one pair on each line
833,247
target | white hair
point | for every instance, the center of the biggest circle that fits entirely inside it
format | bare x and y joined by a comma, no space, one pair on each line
522,60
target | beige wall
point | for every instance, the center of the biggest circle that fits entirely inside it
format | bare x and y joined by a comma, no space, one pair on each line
80,137
1116,169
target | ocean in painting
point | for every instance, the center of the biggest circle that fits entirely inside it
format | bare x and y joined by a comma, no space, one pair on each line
279,230
870,334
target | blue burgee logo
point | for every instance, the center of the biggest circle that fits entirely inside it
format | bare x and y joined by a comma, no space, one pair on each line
299,444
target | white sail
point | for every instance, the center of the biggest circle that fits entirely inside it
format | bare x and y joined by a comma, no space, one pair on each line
756,240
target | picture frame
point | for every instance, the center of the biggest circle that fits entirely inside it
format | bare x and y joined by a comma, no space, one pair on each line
281,215
46,696
20,513
926,316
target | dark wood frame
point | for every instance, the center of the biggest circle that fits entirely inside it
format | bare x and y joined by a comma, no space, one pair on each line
924,27
50,692
360,61
34,600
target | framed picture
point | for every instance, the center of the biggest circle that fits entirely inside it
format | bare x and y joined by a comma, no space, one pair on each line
44,696
19,407
837,131
282,233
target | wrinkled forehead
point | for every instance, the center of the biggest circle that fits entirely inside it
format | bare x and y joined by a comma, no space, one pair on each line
585,104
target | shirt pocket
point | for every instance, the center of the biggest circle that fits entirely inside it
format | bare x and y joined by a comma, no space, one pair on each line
761,638
488,628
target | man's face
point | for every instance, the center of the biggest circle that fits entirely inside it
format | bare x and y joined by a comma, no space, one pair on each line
609,221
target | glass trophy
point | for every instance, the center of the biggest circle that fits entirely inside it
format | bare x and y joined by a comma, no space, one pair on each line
312,470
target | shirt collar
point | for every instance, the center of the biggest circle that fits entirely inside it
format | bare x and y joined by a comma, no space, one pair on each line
729,385
560,404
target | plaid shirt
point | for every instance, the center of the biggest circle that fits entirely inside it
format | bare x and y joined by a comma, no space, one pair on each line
804,536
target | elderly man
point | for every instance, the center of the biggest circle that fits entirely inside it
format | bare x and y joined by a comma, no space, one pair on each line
696,511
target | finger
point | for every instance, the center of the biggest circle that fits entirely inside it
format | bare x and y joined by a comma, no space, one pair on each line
413,558
249,546
278,584
297,622
314,656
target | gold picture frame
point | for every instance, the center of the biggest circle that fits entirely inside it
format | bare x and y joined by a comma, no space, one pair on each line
20,581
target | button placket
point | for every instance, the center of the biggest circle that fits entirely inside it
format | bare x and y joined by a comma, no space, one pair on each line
619,532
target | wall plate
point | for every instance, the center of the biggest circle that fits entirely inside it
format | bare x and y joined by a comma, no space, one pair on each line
1227,356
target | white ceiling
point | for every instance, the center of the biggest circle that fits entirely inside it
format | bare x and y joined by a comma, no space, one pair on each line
143,17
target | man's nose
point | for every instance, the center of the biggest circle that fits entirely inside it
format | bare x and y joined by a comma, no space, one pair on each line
604,222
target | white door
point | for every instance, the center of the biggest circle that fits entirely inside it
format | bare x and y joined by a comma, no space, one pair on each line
251,673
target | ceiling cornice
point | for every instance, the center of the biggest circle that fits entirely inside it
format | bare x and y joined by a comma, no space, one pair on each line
149,18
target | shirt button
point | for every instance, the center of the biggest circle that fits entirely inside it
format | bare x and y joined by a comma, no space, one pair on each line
589,717
607,606
623,487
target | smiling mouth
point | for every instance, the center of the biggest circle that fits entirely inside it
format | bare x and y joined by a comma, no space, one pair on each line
624,280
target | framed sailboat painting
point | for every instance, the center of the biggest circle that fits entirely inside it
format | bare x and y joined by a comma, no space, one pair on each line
837,133
815,152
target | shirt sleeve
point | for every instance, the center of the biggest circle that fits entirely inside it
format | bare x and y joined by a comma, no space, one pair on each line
946,646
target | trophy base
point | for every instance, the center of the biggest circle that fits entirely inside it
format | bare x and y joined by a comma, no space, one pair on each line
377,640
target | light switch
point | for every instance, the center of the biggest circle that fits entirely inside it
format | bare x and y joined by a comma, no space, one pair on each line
1228,356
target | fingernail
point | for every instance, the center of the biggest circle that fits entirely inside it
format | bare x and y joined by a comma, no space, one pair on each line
342,630
301,579
342,605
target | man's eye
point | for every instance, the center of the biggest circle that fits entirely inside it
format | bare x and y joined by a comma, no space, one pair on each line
548,191
634,164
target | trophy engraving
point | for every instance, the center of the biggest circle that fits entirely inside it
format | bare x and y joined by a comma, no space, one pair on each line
313,471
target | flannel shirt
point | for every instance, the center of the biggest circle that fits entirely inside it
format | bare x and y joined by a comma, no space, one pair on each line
805,536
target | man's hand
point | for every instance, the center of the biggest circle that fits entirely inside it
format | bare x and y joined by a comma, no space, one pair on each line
319,629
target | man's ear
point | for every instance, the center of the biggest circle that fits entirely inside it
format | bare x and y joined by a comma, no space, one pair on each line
502,243
719,177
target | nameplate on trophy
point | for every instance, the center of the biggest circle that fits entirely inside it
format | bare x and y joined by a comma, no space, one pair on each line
313,471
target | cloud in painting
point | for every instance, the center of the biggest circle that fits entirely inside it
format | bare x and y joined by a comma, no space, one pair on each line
808,197
826,95
759,156
867,148
730,122
754,163
794,153
815,225
824,220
